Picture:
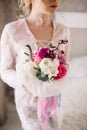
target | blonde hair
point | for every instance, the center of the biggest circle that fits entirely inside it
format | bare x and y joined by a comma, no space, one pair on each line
25,6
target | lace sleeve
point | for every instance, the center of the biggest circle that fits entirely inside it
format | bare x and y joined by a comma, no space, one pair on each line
7,63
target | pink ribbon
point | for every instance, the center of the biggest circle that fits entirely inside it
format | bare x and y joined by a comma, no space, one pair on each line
46,108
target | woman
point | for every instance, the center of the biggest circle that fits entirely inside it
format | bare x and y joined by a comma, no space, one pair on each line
37,26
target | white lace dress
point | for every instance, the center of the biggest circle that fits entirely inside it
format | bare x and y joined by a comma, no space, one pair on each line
14,37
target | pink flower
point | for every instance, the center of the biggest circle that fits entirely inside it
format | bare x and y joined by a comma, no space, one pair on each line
46,53
62,72
61,56
36,58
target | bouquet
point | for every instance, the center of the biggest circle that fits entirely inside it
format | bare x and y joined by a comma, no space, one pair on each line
47,64
44,64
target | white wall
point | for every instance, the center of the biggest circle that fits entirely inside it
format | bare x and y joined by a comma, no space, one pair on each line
78,26
78,42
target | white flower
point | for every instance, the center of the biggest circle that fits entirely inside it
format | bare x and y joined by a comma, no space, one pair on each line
49,66
54,68
28,69
45,64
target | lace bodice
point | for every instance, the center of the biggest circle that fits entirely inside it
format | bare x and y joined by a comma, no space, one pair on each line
14,37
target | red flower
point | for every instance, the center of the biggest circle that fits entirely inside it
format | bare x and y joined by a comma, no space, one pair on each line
62,72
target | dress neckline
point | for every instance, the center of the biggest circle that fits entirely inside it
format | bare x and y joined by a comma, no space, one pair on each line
30,32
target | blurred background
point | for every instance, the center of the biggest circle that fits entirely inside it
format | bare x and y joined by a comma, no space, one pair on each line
73,14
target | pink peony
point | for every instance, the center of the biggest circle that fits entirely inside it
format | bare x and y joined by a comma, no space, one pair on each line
46,53
36,58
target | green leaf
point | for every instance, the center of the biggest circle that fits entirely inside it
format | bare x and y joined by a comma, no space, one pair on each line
38,69
51,46
30,50
37,45
26,53
51,78
42,76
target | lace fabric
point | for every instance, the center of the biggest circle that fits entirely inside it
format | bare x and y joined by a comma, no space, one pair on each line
18,35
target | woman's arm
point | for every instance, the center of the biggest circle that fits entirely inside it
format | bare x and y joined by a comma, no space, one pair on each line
7,63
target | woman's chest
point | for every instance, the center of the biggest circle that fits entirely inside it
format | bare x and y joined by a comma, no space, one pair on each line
43,33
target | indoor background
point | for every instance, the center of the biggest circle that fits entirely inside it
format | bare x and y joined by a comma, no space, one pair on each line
74,15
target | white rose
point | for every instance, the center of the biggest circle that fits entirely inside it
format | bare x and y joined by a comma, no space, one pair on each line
45,65
55,63
54,68
49,67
